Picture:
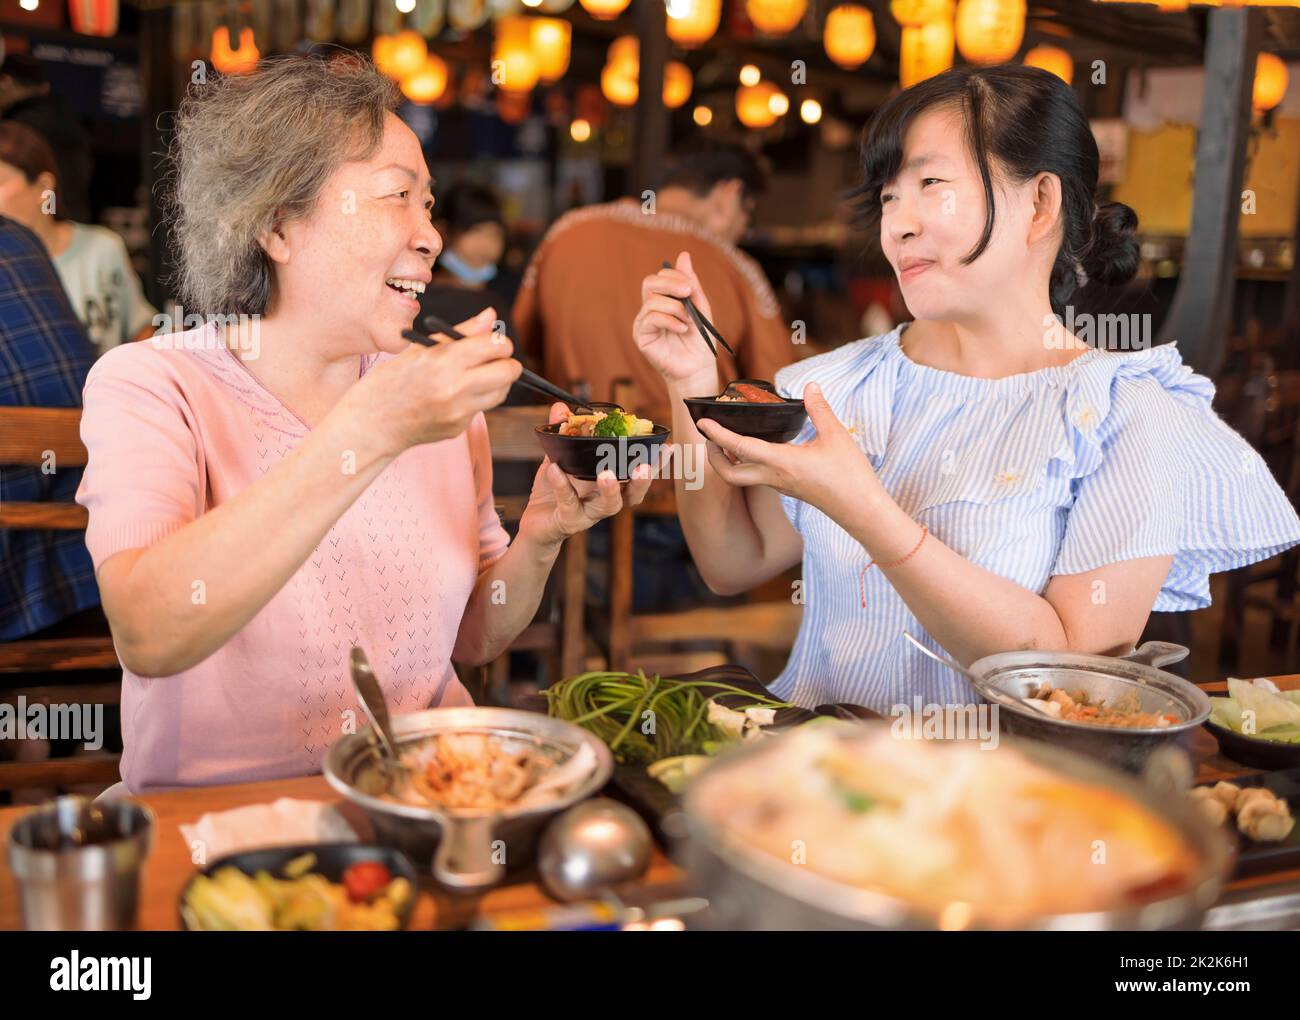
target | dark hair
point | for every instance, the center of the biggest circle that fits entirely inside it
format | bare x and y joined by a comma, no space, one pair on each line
24,148
700,167
23,68
464,205
1027,121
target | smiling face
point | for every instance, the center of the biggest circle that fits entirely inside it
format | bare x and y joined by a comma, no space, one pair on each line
933,214
352,271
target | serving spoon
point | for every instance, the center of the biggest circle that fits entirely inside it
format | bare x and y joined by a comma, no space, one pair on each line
953,665
376,709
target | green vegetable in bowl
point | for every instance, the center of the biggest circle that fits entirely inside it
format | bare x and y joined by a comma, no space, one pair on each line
616,423
1255,710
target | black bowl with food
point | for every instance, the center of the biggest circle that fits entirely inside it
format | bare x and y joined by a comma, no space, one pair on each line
609,438
1254,751
752,407
309,887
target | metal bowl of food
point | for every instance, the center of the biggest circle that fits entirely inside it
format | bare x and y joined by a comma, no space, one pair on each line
1117,710
479,785
845,826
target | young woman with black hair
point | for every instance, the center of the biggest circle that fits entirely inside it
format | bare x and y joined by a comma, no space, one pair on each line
980,477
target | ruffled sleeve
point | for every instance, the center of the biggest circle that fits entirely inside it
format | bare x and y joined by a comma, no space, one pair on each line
1157,472
857,381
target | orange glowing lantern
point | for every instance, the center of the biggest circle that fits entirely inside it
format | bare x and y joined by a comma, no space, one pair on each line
775,17
925,52
94,17
1270,82
849,36
552,40
915,13
619,86
692,23
1054,59
625,54
604,10
990,31
428,83
754,105
236,61
400,55
677,84
514,64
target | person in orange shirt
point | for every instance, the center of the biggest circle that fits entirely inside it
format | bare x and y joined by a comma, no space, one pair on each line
582,288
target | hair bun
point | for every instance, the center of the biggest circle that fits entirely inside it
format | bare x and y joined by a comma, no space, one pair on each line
1112,254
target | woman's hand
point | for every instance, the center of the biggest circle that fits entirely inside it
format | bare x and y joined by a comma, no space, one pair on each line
560,506
427,394
829,472
663,329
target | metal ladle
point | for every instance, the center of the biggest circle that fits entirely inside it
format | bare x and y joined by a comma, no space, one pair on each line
952,664
376,709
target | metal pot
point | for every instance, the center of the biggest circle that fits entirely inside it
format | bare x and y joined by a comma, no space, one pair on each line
468,849
749,889
1006,678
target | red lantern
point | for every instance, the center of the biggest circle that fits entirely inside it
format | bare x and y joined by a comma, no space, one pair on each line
93,17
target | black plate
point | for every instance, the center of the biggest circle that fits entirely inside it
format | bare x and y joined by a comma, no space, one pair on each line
332,860
772,423
1258,754
584,456
1252,856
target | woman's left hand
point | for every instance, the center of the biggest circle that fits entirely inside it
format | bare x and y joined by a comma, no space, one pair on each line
560,506
829,472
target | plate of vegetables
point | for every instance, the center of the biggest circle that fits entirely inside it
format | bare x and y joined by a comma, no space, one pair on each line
752,407
1257,724
314,887
608,437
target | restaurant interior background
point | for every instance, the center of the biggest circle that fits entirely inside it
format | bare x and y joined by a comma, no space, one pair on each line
612,86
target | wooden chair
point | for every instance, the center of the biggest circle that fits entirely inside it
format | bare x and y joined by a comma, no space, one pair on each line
558,634
28,435
638,639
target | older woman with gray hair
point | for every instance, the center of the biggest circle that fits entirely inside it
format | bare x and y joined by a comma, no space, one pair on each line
291,478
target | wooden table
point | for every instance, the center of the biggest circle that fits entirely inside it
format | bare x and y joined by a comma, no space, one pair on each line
169,866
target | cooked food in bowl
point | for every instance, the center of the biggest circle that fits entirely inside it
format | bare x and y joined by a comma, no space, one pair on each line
1081,707
751,407
972,837
747,393
486,772
606,424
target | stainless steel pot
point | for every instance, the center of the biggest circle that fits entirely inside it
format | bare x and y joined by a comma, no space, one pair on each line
468,850
749,889
1008,677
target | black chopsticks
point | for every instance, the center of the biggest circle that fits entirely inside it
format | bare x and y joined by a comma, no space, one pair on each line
702,324
530,379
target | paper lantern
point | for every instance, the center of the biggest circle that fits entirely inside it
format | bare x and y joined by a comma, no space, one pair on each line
692,23
754,105
925,52
779,103
514,65
990,31
400,55
427,84
94,17
239,61
915,13
849,35
1270,82
580,130
775,17
810,111
1054,59
619,87
702,116
552,39
677,84
625,54
604,10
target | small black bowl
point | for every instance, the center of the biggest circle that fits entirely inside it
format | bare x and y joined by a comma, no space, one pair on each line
772,423
584,457
332,860
1259,754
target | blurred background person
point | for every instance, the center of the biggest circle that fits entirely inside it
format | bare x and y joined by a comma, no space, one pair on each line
92,261
25,98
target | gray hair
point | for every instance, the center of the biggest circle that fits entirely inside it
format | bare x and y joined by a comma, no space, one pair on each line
254,151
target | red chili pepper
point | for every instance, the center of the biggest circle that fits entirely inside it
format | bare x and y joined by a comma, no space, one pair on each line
365,880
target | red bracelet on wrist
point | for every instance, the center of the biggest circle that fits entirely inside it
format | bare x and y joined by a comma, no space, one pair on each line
862,580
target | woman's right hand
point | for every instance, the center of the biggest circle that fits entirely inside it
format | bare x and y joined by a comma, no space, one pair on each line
663,329
427,394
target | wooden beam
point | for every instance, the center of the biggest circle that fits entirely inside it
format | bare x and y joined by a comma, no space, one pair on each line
650,132
1200,316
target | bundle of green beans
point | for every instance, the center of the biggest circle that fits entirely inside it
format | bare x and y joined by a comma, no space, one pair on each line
643,719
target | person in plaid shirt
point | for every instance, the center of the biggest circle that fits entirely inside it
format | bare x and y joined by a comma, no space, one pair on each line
45,354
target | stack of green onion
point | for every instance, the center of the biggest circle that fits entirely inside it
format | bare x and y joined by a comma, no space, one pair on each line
644,719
